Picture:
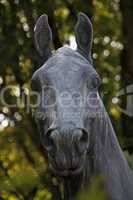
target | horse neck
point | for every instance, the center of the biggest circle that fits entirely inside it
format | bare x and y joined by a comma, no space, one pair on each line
110,163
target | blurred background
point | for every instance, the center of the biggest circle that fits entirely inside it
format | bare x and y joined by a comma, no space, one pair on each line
23,166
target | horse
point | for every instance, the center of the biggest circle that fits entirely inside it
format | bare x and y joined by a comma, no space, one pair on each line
75,129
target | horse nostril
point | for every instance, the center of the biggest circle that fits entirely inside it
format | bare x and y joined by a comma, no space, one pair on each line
84,137
81,143
81,135
51,139
77,134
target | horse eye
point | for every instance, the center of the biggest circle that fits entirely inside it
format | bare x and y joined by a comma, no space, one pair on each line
96,82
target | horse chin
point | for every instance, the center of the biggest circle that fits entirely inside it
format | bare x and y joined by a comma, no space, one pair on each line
73,171
67,173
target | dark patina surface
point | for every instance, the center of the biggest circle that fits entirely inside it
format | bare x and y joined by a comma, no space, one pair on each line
75,129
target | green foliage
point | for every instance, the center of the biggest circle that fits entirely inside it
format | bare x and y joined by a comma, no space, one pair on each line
95,191
21,180
129,158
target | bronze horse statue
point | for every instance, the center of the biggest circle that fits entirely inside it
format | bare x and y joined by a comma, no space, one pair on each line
75,129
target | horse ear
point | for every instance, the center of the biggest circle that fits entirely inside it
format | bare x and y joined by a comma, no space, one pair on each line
43,37
84,35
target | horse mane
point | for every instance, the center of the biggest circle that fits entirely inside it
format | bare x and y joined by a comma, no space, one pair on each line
109,161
